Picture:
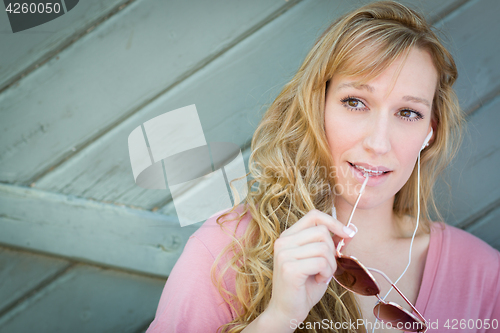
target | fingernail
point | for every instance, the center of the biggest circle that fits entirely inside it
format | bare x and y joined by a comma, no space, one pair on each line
330,279
349,231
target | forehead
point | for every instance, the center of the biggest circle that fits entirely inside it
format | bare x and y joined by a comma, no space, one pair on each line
414,76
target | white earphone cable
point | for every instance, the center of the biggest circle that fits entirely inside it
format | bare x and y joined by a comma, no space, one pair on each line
412,238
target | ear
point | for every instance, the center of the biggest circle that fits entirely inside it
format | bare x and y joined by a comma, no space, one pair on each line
428,138
433,125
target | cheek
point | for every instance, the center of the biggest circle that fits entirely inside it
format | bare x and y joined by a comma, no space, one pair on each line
340,134
407,160
333,136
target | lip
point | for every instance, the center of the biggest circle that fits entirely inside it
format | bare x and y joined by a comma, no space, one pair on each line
371,167
373,180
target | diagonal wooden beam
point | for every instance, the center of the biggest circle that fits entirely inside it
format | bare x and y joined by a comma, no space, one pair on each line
91,231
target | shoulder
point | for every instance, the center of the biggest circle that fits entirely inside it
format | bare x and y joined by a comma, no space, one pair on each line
189,288
463,243
461,276
215,236
465,255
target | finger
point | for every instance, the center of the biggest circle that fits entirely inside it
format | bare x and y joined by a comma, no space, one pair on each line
314,218
312,250
310,266
318,233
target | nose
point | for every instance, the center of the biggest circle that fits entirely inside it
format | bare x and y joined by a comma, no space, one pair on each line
377,139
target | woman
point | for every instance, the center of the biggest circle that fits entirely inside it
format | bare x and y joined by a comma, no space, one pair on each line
375,85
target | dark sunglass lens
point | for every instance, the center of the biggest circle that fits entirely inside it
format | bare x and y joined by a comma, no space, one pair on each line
391,314
353,277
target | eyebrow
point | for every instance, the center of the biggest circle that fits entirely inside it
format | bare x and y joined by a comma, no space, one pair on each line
417,100
357,86
371,89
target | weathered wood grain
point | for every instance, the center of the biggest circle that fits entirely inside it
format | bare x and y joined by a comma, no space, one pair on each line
20,51
434,11
21,271
227,92
90,231
88,299
472,29
474,176
191,193
112,72
488,228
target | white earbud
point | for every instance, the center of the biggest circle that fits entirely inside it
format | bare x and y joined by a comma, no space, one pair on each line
426,141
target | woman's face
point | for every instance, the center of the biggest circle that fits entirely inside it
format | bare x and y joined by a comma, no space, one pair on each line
374,128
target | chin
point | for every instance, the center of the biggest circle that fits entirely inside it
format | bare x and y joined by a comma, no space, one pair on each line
372,197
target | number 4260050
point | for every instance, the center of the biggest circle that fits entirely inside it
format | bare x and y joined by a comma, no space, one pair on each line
461,324
23,8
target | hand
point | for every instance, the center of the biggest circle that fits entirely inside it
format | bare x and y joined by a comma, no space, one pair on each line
304,263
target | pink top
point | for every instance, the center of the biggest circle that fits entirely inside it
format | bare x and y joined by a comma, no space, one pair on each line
460,290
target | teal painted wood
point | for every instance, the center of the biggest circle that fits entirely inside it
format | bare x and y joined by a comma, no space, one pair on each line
431,9
112,72
88,299
20,272
228,110
90,231
23,49
190,194
230,94
488,228
472,29
474,176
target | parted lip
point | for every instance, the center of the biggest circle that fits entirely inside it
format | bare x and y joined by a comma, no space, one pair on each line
370,167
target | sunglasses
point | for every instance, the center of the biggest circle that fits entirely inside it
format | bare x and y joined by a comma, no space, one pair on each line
354,276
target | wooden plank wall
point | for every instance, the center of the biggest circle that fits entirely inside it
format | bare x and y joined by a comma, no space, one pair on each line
85,230
24,51
84,248
72,297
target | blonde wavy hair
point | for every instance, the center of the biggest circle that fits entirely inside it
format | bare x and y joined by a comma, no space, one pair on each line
290,154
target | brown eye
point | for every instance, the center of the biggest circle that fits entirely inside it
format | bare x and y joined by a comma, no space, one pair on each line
410,115
405,113
353,103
